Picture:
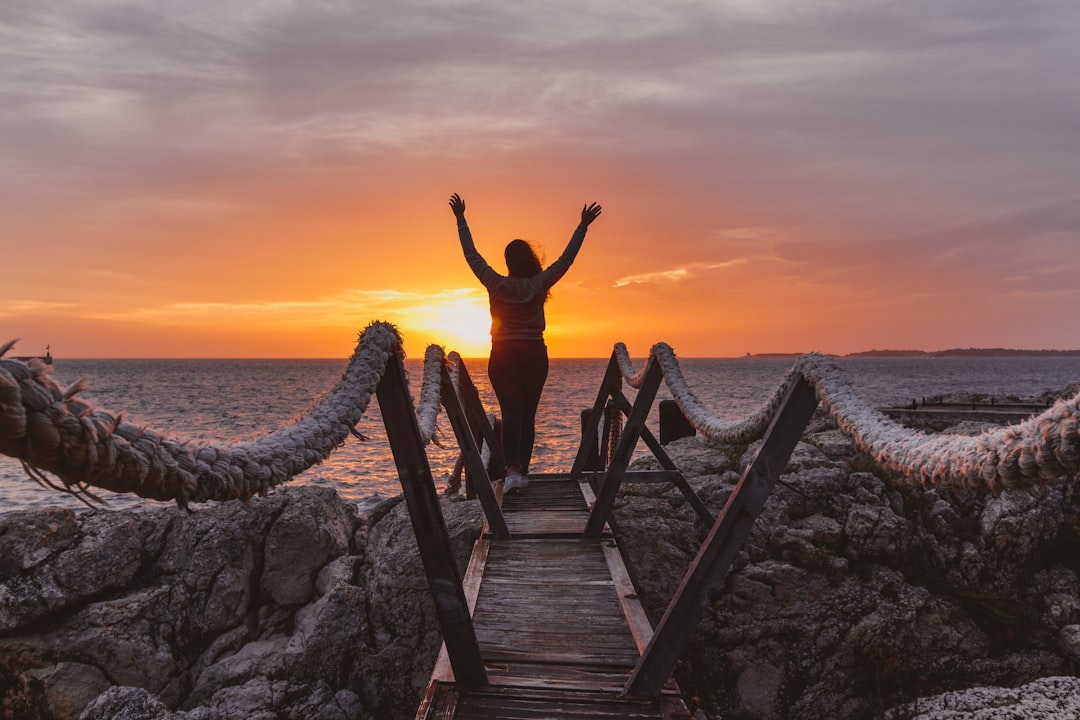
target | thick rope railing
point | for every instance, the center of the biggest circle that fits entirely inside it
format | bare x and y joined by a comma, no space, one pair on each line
454,365
427,414
1040,449
51,430
716,429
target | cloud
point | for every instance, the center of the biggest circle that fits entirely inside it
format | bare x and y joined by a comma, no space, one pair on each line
19,308
898,145
676,274
789,96
343,308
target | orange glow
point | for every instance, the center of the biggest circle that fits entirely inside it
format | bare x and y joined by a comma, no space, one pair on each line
461,324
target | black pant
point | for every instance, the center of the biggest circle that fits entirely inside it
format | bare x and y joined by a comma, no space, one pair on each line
518,370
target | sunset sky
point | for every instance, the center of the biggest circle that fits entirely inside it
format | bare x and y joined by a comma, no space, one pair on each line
231,178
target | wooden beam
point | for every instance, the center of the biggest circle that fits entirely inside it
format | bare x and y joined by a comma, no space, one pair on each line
470,453
474,576
668,464
478,419
432,538
635,423
640,627
612,379
706,573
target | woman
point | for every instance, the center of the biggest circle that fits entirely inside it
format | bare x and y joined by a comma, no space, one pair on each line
518,365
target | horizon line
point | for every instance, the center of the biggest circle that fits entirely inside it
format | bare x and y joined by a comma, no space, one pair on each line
751,355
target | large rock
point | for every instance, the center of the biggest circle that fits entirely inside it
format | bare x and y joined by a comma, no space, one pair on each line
50,561
1051,698
163,600
857,591
294,606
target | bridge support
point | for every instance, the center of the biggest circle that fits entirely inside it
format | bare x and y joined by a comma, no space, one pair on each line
635,429
705,575
432,538
470,453
481,427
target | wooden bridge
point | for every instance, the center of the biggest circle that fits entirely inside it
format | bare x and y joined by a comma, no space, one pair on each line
546,622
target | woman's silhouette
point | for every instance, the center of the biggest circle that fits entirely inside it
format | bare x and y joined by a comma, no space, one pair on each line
518,365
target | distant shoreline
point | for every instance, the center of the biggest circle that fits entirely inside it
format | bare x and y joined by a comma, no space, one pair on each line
954,352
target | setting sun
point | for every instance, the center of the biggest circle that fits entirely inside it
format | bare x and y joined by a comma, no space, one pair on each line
460,322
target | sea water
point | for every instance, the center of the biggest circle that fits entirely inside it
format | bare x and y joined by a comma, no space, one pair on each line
225,401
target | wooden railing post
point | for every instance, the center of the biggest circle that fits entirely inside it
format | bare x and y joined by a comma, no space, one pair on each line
478,420
474,464
612,379
432,538
706,573
595,461
639,413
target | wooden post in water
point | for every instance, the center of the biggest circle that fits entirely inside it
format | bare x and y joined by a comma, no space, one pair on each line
594,461
432,538
598,457
706,574
673,424
470,453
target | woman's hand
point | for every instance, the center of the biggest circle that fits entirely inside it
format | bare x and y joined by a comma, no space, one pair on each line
588,213
458,206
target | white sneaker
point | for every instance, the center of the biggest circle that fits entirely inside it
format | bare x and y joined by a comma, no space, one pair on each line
515,481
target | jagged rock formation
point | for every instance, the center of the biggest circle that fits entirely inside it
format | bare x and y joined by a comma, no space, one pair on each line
858,591
295,604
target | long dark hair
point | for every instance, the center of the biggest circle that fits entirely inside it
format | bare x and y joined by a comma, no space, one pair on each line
521,259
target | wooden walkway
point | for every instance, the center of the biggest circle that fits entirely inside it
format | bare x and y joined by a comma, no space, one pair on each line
558,622
546,622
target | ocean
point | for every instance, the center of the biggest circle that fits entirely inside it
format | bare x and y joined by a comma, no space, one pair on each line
234,400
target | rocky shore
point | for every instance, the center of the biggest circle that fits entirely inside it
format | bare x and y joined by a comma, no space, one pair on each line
857,595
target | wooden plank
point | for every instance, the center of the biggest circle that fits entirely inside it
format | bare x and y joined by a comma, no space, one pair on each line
563,495
564,677
634,614
439,702
474,576
706,574
554,636
506,703
611,658
552,602
474,464
542,523
429,526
